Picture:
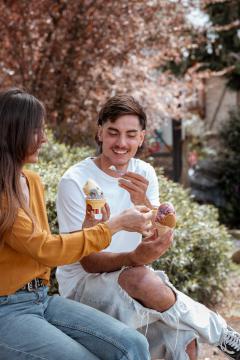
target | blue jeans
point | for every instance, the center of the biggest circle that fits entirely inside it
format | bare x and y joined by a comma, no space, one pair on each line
35,326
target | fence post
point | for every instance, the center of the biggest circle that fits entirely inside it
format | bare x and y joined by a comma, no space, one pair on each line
177,149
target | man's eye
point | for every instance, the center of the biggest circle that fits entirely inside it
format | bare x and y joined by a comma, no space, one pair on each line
132,135
112,133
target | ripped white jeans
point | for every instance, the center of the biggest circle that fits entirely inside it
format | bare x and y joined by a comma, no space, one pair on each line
168,332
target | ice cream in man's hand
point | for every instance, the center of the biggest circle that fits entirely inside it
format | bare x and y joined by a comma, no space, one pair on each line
165,218
94,196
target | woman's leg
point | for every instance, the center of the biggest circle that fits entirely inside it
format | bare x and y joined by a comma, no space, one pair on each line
26,335
101,334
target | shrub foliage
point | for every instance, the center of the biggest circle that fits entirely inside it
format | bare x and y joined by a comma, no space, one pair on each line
198,261
230,170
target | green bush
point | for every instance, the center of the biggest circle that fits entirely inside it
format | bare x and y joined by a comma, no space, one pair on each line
230,170
55,159
198,261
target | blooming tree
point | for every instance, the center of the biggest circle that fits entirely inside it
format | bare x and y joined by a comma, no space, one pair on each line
75,54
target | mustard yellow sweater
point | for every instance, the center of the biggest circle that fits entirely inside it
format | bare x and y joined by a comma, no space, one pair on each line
26,255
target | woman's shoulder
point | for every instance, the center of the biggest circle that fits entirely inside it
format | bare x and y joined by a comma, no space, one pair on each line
32,176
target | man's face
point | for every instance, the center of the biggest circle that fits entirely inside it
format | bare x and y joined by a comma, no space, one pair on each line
120,140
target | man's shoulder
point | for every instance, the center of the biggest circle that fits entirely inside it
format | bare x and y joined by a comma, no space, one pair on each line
77,169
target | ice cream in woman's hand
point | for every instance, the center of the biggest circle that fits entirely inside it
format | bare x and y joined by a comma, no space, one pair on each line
94,196
165,217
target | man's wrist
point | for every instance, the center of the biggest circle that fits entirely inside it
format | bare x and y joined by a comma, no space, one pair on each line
132,259
145,202
148,204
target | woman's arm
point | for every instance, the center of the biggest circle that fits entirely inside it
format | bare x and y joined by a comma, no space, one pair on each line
54,250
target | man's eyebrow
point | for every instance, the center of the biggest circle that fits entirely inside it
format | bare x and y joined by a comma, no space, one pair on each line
132,130
128,131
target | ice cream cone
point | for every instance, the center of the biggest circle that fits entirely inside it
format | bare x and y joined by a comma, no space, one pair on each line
162,229
169,220
96,204
89,186
154,210
165,218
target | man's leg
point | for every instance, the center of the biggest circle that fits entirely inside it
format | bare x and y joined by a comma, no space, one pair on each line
143,285
103,292
168,343
183,313
154,292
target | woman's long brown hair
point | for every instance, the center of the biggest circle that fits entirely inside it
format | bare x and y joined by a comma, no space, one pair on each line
21,117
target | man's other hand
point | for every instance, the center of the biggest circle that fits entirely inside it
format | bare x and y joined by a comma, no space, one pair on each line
151,248
137,186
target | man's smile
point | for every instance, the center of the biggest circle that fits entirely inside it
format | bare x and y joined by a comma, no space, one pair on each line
120,152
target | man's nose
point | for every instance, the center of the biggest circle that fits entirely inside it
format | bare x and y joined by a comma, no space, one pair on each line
122,141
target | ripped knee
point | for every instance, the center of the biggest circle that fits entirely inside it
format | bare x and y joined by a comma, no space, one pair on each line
131,278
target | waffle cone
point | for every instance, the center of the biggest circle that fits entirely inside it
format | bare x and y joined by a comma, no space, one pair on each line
96,204
154,210
162,229
169,220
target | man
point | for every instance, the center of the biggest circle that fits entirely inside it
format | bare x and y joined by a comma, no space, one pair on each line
116,280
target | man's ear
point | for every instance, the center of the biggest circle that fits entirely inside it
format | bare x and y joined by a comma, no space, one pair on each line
142,137
99,133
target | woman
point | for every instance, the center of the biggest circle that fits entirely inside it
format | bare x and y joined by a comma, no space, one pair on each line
32,324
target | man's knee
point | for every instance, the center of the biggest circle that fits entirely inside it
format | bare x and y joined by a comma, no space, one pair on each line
146,287
132,279
139,279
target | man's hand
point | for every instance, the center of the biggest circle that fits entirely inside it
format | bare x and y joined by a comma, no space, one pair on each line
151,248
90,220
137,186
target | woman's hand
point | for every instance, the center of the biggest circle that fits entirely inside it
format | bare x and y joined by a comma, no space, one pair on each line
137,219
90,220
